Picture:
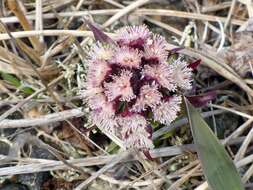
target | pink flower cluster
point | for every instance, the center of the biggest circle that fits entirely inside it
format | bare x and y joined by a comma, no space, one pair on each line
129,84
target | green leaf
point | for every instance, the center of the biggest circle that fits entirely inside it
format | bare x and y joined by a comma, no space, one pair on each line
218,167
11,79
27,90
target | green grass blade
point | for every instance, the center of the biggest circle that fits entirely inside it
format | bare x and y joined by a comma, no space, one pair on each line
218,167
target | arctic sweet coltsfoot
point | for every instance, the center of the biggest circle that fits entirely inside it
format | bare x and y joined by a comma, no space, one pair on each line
130,84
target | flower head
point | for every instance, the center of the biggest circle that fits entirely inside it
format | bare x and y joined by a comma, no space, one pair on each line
120,87
102,112
134,131
155,48
149,97
96,73
127,57
181,74
131,84
162,74
167,111
133,36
